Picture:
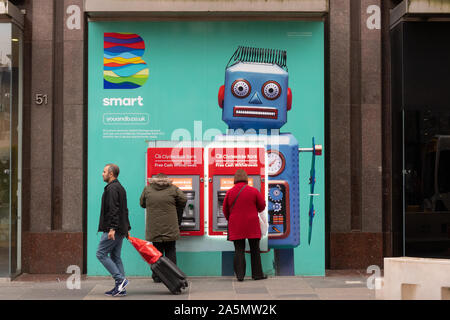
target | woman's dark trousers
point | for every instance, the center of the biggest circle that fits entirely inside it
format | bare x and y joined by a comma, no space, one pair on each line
239,258
167,248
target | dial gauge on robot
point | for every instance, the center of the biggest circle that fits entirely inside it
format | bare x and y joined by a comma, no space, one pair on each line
276,162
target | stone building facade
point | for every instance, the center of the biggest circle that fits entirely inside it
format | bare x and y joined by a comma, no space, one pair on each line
362,222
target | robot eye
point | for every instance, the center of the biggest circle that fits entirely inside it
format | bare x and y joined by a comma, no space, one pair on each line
271,90
241,88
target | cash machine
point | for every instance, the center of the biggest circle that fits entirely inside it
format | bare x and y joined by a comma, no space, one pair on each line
222,165
185,167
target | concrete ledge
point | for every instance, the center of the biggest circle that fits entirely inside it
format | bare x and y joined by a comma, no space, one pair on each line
10,11
102,7
412,9
429,6
409,278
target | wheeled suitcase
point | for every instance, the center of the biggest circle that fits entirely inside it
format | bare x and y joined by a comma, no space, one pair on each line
170,275
166,270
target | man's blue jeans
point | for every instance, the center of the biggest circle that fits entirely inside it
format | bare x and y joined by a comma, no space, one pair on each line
108,253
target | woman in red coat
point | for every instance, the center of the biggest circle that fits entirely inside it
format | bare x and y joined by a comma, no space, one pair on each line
243,223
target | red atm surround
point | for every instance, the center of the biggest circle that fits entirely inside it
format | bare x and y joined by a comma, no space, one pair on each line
218,166
180,161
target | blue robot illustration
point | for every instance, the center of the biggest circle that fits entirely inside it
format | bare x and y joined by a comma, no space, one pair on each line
256,93
256,96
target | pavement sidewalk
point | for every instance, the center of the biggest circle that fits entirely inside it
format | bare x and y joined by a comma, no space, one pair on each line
336,285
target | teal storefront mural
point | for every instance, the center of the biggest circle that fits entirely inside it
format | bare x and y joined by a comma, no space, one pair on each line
159,81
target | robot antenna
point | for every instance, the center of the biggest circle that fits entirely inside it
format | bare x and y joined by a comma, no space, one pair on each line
259,55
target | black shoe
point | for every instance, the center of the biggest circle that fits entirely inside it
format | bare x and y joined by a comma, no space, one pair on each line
240,280
120,288
113,290
157,280
260,278
110,292
121,294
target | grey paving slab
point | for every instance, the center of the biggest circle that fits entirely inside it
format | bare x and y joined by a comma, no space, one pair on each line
54,285
250,283
251,290
345,294
13,293
287,282
200,288
290,292
145,290
254,296
54,294
295,296
214,284
212,295
322,282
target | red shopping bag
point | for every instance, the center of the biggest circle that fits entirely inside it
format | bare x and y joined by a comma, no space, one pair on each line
146,250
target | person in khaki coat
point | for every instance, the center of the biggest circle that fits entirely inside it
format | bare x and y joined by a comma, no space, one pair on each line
164,203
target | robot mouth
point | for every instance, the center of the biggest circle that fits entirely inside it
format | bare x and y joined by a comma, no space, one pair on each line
256,112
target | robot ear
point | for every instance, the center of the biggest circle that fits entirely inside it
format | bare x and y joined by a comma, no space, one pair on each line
221,96
289,99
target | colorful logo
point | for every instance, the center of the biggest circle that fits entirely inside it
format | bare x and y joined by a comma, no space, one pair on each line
123,65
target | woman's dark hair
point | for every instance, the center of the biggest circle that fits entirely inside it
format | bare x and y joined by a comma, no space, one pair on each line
240,176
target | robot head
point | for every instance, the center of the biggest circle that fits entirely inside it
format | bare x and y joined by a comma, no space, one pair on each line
256,93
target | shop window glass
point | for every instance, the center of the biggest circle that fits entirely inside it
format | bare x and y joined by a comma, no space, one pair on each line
427,183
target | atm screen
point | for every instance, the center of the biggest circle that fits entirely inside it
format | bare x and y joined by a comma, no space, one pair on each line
221,222
188,220
221,184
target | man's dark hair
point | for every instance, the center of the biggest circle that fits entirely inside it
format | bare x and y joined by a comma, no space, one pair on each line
114,169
